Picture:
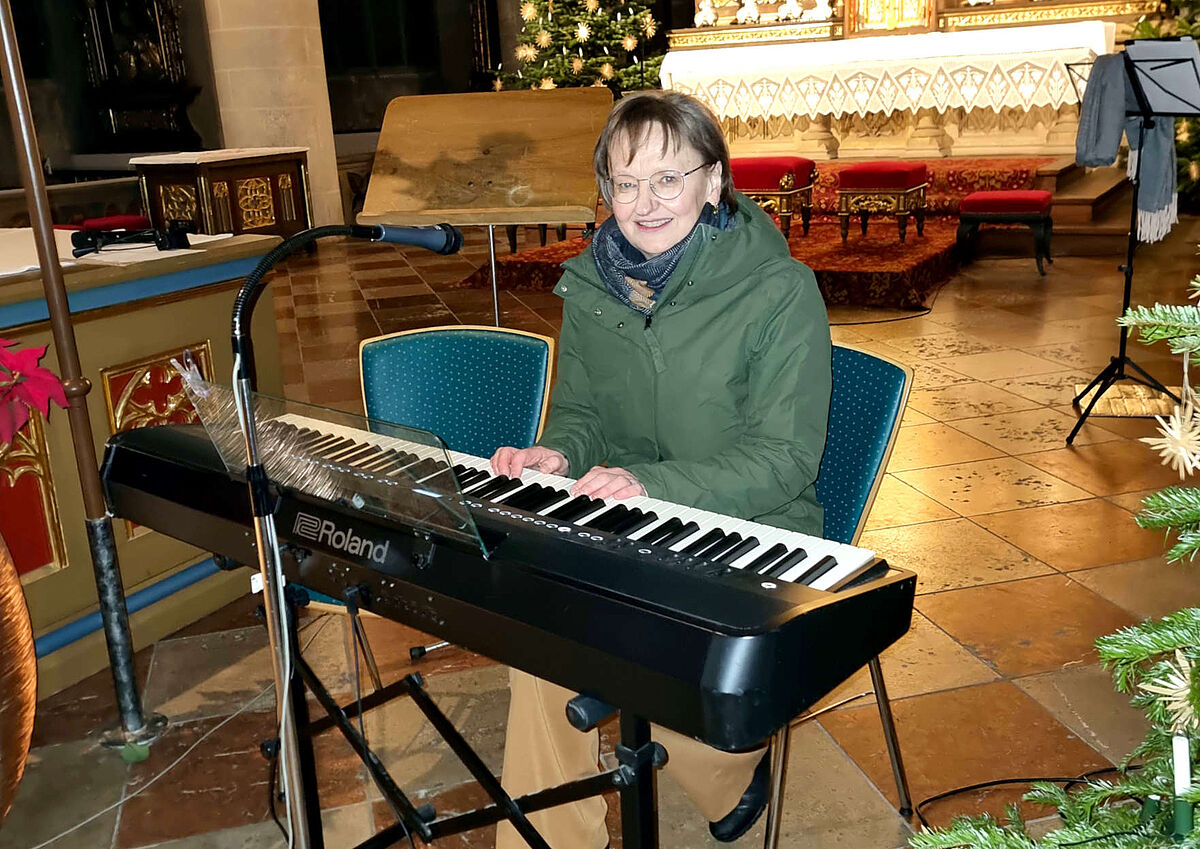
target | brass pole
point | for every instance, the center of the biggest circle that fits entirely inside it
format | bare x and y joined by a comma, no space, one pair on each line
99,527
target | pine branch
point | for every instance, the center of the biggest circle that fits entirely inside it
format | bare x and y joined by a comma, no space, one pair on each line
1162,321
1129,648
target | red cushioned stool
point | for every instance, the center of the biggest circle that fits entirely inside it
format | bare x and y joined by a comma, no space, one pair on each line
775,183
892,188
1029,207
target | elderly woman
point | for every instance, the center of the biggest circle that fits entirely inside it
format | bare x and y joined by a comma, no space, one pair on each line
694,367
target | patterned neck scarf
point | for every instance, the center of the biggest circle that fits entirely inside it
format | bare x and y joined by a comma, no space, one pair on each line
631,278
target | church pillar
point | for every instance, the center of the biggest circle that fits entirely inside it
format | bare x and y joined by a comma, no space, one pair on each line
269,70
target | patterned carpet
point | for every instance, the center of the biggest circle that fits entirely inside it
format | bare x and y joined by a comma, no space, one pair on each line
872,270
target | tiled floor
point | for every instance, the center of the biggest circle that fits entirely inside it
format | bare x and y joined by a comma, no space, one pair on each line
1025,551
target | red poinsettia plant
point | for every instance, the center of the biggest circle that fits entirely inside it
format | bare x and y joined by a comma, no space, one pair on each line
24,385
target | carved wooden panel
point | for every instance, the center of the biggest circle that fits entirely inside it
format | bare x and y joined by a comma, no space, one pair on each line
150,392
28,505
254,200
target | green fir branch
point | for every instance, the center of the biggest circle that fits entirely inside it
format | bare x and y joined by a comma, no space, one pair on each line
1162,321
1129,648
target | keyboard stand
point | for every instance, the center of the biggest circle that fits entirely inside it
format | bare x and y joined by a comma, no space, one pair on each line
634,775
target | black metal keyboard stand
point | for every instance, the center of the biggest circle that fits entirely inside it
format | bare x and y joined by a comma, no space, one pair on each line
634,776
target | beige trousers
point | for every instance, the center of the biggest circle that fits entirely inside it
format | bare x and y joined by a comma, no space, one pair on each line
543,750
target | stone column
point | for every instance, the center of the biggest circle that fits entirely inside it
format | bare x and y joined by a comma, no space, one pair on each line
929,134
269,70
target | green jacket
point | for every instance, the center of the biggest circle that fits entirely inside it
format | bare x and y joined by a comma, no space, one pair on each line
721,401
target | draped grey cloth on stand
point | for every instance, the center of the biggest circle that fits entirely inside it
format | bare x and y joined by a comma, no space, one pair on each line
1102,121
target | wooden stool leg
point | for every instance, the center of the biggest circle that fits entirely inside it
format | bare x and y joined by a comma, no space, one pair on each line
844,221
785,223
806,214
511,229
919,214
902,224
964,241
542,234
863,218
561,232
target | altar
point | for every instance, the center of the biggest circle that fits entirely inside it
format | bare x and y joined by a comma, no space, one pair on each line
1004,90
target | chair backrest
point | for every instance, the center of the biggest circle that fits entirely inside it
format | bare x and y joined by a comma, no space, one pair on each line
478,388
869,393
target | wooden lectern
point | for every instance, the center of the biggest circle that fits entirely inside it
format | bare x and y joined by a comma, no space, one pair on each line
491,158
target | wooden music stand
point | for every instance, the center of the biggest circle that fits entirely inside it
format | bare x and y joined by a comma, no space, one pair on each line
490,158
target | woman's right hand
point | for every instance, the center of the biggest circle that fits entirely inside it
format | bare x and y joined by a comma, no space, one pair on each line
512,461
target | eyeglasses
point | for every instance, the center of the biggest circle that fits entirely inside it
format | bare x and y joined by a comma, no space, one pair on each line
666,185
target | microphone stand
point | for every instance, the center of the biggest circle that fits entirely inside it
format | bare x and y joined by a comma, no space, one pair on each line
296,767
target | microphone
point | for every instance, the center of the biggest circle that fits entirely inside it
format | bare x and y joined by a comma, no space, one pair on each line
440,238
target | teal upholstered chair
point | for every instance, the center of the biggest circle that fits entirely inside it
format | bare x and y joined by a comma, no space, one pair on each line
869,394
478,388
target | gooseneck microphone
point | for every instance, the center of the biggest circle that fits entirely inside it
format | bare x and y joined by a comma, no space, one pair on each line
439,238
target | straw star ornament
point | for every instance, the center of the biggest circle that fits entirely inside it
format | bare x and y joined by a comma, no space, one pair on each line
1179,445
1174,689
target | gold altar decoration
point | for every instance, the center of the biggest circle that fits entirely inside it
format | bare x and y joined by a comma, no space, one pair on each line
254,200
869,15
942,15
178,202
18,681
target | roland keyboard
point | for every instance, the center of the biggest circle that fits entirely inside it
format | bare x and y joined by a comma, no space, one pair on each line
720,628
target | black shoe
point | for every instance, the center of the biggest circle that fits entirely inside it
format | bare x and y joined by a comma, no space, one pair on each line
748,809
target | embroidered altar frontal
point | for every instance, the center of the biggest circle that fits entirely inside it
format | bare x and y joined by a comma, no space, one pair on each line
1005,90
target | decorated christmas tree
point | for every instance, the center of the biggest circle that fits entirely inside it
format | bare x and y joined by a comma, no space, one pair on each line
1157,662
567,43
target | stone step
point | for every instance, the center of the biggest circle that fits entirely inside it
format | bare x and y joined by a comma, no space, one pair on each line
1088,196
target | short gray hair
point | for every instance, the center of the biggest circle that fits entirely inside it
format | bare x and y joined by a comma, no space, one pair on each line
684,120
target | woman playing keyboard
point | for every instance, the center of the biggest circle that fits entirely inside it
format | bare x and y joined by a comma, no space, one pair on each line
694,367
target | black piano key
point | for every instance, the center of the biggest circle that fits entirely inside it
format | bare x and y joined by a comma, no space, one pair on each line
777,569
359,453
505,488
472,477
550,497
634,522
662,531
529,494
742,548
420,470
325,450
494,482
715,535
821,567
767,557
683,533
608,518
581,505
721,546
391,461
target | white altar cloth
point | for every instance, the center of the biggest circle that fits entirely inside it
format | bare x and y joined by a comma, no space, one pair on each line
1020,67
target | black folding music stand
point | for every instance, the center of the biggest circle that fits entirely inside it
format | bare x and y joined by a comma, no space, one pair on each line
1164,76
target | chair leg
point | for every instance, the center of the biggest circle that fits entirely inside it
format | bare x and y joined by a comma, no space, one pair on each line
889,734
542,234
368,655
785,223
902,225
806,215
844,221
511,229
779,757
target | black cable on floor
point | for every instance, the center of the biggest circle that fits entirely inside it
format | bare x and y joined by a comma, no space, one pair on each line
999,782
